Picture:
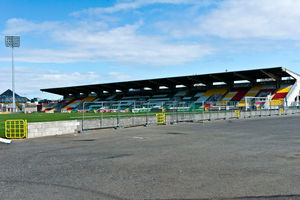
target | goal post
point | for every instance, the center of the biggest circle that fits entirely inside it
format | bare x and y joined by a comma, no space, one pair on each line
258,102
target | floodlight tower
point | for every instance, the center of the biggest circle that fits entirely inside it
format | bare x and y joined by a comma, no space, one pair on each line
12,41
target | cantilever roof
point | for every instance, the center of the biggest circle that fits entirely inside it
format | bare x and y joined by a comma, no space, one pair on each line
251,75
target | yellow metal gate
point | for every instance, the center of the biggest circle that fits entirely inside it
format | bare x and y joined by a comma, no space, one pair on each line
15,129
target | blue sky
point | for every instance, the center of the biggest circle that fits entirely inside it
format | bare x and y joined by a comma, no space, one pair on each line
75,42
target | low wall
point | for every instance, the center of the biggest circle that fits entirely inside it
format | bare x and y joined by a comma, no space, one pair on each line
123,122
42,129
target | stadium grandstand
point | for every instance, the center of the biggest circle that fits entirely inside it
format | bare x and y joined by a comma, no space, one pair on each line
267,87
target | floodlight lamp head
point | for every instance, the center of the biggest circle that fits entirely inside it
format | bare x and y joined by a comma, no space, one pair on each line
12,41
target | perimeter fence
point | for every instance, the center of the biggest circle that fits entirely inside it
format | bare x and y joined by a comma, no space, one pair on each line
121,114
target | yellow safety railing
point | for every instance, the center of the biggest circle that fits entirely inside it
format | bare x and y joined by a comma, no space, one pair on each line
282,111
16,129
237,114
161,118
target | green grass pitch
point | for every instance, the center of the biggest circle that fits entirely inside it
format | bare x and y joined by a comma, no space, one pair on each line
47,117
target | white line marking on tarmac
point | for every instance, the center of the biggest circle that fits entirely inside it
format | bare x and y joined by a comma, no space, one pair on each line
135,137
6,141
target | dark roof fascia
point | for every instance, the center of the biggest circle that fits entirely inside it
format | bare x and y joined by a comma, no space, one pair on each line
168,81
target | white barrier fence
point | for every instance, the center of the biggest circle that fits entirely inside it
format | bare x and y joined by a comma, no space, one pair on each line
117,114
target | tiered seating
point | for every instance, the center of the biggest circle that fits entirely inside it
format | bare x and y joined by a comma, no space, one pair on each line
157,101
267,90
65,102
71,105
253,92
85,100
189,98
174,101
280,95
215,95
182,98
76,103
185,100
159,97
110,98
235,94
211,96
181,93
122,104
95,106
51,108
88,99
240,94
200,97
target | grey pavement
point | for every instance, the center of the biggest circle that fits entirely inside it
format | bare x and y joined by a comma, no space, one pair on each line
239,159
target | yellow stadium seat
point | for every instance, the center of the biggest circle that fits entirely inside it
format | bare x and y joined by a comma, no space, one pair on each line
211,92
284,90
277,102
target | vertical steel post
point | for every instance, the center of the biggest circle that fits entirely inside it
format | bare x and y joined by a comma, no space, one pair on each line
251,107
82,118
226,110
260,112
193,111
133,119
176,112
147,114
203,111
209,114
246,103
118,118
218,111
173,112
13,80
101,124
270,113
298,102
13,41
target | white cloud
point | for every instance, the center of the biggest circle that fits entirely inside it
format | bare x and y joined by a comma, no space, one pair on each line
265,19
240,19
96,43
21,26
120,76
29,81
130,5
